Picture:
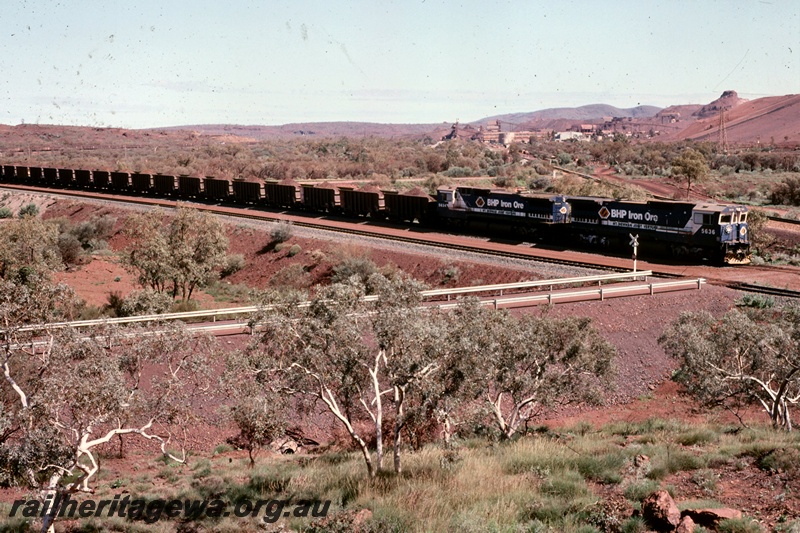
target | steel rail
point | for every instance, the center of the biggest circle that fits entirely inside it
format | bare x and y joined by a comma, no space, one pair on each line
368,231
261,215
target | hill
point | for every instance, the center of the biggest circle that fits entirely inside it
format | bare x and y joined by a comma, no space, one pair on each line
593,112
319,129
771,120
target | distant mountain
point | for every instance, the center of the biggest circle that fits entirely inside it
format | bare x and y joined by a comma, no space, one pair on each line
773,120
316,129
726,102
557,118
593,112
769,120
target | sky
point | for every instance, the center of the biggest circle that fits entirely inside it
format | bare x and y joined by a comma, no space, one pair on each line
156,63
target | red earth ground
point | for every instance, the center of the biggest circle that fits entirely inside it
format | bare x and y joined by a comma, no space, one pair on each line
632,324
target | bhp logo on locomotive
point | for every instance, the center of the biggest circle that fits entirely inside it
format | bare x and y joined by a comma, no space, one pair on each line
624,214
494,202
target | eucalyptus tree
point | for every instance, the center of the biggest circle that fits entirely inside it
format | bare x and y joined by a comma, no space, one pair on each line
386,357
740,359
28,246
410,346
179,256
313,350
65,393
359,357
692,165
529,362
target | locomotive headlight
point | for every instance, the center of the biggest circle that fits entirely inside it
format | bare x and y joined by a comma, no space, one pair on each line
743,231
728,228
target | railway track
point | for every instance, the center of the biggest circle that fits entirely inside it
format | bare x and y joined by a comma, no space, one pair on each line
787,220
762,289
351,228
404,235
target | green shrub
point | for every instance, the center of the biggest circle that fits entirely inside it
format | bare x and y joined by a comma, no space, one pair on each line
706,479
739,525
145,302
294,250
637,492
601,467
567,484
787,192
29,210
272,481
6,212
788,527
635,524
184,306
675,461
697,436
233,264
294,275
457,172
353,266
281,231
783,459
115,301
758,301
222,448
70,248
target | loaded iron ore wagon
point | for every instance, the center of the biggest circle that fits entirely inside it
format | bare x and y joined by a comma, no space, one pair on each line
190,186
364,202
23,173
83,178
35,175
48,175
217,189
284,193
9,173
410,206
101,178
247,192
323,198
65,177
120,181
165,184
142,183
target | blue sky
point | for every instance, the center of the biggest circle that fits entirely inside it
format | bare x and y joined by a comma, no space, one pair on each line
147,63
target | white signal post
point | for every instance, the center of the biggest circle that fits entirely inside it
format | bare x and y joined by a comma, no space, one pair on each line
635,244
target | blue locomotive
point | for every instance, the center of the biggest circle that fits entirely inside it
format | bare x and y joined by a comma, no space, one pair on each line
705,229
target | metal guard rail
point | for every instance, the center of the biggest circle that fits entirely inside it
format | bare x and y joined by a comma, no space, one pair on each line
214,313
594,294
599,293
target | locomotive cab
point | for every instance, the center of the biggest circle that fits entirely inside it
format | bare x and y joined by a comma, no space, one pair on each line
734,234
733,225
451,200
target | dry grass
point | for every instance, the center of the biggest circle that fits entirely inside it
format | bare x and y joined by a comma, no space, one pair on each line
548,481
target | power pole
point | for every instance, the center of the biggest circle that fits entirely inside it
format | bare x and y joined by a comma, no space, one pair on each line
723,133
